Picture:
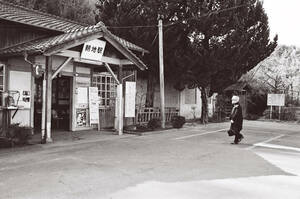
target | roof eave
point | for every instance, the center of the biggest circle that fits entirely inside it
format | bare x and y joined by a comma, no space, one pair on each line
57,48
126,52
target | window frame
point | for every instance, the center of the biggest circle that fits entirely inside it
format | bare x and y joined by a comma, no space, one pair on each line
107,88
194,95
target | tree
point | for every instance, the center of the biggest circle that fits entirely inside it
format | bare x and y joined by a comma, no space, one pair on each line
279,73
209,44
77,10
281,70
136,21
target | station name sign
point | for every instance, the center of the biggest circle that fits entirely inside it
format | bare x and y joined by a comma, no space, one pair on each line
93,50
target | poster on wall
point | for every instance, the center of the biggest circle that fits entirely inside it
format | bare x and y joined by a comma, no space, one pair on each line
81,117
82,97
130,93
93,105
20,88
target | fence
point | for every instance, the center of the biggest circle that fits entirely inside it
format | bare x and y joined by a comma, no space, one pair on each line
292,97
144,115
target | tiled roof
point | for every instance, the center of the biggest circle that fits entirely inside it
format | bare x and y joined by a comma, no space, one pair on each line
41,46
31,17
39,19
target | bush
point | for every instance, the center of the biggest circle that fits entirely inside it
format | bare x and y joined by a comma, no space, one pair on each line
178,121
252,117
154,123
19,135
287,114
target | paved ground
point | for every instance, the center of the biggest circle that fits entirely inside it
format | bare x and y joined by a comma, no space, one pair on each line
194,162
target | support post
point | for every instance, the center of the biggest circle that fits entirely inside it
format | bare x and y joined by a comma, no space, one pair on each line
271,110
43,128
48,97
120,103
279,113
161,74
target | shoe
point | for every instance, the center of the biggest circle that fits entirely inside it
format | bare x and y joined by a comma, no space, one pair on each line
241,138
234,143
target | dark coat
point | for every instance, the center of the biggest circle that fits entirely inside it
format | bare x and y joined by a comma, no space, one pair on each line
237,118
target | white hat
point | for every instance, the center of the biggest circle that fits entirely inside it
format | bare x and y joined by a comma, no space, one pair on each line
235,99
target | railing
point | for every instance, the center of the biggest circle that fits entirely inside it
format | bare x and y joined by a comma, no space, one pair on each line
144,115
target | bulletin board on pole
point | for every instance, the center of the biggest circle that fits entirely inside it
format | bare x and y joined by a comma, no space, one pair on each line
94,106
130,92
275,100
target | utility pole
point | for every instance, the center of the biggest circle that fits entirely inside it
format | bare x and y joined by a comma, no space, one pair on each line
161,73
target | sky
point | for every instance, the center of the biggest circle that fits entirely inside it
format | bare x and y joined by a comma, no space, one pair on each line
284,18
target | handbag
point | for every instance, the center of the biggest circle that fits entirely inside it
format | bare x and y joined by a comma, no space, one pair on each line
231,132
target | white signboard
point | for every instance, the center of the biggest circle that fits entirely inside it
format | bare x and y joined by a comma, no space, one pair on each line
130,93
93,105
82,97
93,50
276,100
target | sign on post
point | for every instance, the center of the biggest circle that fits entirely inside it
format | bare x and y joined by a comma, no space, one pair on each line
94,105
93,50
130,99
276,100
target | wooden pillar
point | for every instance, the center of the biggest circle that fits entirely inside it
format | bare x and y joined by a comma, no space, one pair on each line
161,74
43,124
120,102
48,98
73,101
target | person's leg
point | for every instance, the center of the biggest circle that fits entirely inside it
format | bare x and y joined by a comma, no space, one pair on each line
236,138
240,136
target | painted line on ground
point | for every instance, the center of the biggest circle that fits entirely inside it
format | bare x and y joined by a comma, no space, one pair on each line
257,131
199,134
275,146
265,142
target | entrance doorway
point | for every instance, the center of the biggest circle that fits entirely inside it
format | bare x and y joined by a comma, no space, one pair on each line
61,103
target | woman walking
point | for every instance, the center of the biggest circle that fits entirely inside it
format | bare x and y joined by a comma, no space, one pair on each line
236,119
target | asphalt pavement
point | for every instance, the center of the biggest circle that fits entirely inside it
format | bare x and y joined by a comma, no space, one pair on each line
196,161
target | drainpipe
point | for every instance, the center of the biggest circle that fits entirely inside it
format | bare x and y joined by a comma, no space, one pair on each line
43,122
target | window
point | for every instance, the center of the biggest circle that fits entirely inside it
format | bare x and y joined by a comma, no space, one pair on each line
2,83
106,88
190,96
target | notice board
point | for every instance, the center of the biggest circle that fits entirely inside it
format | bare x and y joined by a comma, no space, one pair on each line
82,97
94,105
130,92
276,100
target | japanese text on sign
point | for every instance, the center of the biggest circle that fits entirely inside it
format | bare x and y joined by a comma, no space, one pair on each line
93,50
